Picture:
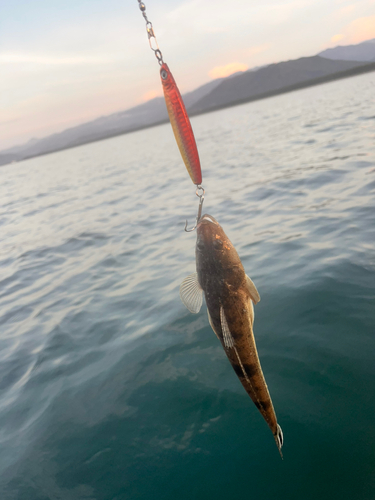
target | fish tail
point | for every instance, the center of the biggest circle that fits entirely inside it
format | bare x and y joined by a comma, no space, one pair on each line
279,438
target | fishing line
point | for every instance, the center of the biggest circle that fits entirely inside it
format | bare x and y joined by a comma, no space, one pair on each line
178,117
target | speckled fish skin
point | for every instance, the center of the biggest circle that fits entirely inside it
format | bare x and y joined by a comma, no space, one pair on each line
224,282
181,125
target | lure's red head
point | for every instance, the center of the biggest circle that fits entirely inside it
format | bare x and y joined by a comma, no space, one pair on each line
166,76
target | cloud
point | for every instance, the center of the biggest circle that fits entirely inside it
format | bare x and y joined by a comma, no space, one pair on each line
222,17
253,51
359,30
228,69
346,11
151,94
337,38
360,8
51,60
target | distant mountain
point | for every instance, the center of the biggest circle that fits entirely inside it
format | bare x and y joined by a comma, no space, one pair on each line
271,80
256,83
190,98
144,115
364,51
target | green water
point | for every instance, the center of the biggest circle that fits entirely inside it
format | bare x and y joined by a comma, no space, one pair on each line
111,389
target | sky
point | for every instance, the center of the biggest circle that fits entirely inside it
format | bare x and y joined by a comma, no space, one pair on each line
65,62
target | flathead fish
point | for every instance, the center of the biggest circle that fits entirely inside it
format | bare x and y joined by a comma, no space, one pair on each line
181,124
229,295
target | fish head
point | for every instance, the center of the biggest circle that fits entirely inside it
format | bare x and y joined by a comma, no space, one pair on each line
215,254
211,239
218,263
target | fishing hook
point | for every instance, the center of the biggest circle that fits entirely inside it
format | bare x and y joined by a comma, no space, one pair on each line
201,200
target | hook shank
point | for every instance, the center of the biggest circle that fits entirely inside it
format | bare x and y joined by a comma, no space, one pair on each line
200,192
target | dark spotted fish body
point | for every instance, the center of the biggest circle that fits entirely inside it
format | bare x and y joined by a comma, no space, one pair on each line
230,295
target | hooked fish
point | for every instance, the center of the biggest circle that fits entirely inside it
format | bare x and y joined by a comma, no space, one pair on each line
181,125
229,295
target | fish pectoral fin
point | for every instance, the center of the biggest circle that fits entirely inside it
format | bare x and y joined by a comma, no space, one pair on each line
227,336
191,293
252,289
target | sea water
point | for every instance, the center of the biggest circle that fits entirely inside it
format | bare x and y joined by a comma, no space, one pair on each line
111,389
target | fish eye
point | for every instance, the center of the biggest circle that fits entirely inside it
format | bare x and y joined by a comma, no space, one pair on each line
218,244
163,74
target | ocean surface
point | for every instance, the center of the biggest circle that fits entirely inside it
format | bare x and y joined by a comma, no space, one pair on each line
112,390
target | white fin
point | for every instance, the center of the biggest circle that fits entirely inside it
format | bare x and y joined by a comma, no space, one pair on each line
191,293
211,324
252,309
279,438
227,336
252,289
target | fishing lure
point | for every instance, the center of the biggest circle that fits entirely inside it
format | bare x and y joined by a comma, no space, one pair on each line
181,125
177,113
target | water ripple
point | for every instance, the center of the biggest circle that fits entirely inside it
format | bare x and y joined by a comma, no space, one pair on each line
106,380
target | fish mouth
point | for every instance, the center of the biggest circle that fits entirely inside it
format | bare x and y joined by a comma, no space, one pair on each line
207,219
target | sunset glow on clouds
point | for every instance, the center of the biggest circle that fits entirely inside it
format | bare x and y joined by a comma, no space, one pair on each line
151,94
337,38
357,31
360,30
228,69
